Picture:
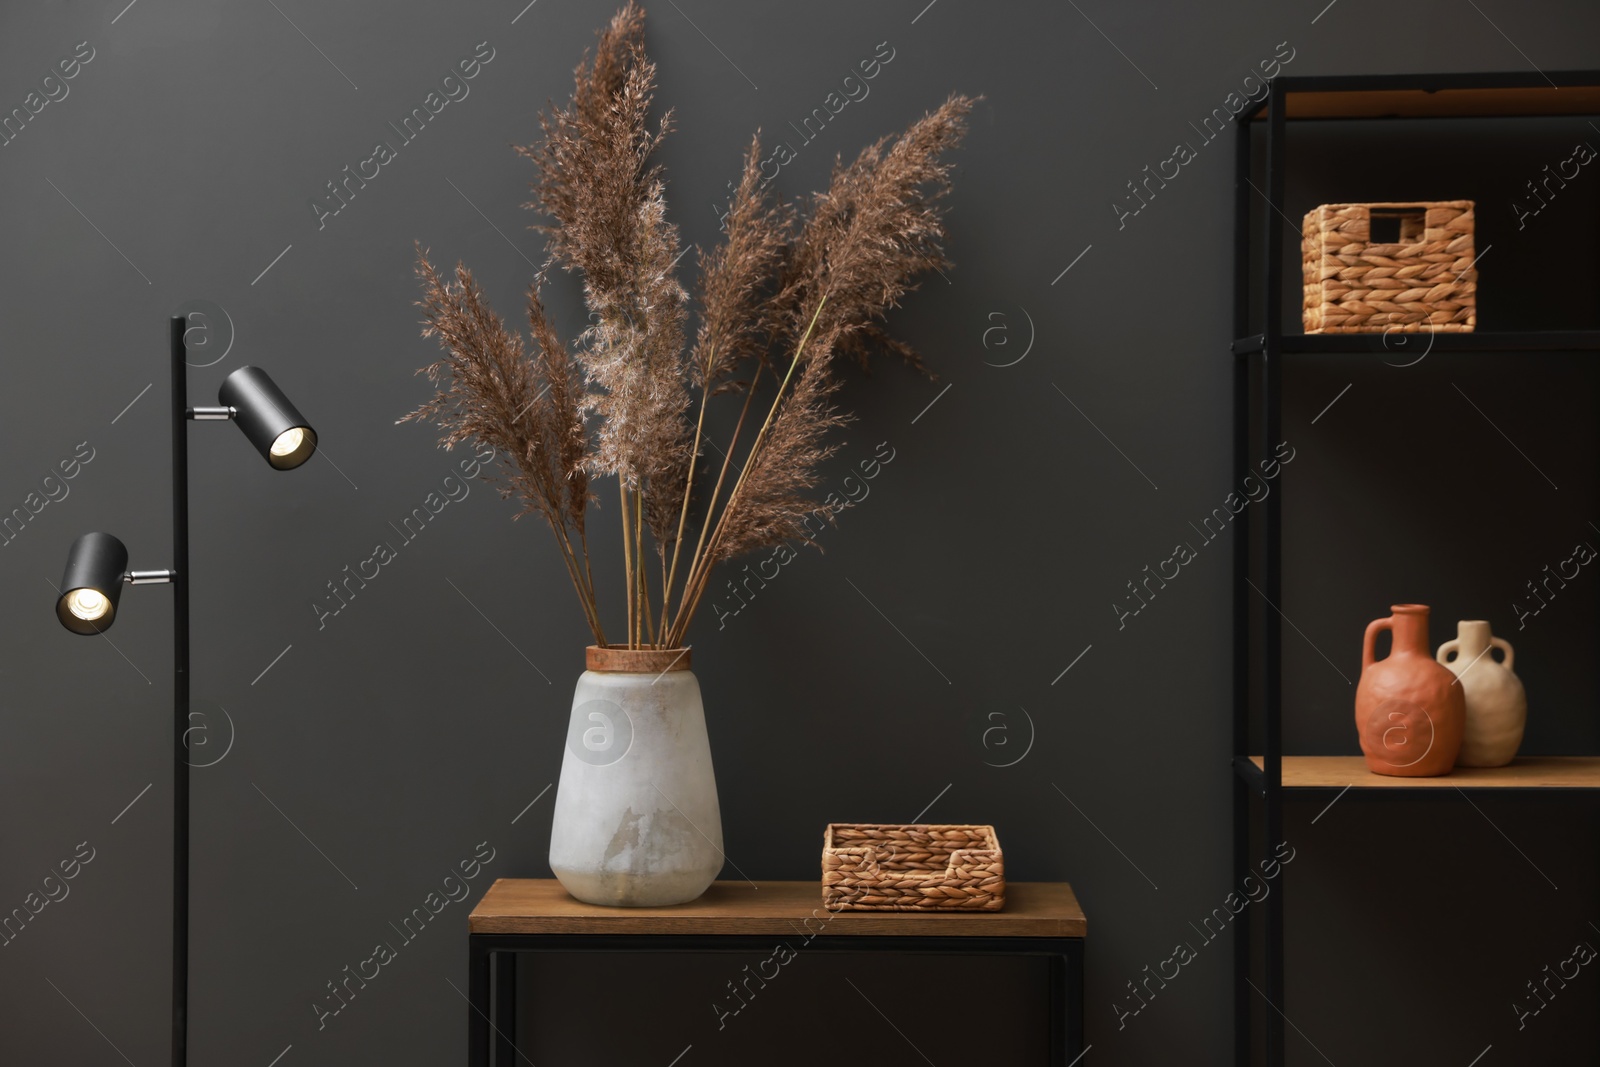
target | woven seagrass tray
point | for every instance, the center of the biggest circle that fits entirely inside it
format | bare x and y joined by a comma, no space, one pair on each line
1398,267
887,867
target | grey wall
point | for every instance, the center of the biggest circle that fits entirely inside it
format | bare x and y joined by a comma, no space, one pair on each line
373,753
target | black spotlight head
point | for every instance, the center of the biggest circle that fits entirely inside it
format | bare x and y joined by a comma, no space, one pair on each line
92,583
279,432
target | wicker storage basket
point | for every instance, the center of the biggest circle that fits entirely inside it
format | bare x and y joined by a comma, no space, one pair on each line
883,867
1418,277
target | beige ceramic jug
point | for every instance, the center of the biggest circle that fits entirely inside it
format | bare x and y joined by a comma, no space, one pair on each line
1497,705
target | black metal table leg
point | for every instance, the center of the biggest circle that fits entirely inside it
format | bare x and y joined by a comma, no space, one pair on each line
1073,1008
505,1008
1060,997
478,1002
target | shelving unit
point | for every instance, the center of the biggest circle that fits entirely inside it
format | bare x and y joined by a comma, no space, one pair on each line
1264,777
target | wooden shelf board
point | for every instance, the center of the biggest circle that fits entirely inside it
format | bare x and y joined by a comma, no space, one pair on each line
1445,103
1525,772
1427,96
1403,347
541,906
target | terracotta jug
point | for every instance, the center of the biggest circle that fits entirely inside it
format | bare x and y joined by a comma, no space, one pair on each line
1497,705
1410,712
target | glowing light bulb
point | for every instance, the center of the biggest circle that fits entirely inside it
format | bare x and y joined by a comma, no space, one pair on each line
88,604
289,442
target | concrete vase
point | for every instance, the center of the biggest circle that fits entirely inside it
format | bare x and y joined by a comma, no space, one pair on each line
636,816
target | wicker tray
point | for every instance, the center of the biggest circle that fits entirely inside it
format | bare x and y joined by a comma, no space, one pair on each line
887,867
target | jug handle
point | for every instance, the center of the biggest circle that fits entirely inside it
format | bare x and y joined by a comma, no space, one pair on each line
1452,645
1504,646
1371,638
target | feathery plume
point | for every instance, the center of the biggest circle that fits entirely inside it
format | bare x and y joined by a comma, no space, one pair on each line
781,295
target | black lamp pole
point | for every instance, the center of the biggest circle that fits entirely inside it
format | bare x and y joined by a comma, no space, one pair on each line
180,695
92,584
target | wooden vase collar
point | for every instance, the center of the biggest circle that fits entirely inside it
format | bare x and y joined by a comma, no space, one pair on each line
611,659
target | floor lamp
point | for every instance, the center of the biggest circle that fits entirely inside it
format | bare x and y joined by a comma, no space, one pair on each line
97,570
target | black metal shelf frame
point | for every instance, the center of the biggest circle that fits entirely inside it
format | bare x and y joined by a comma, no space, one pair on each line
1258,353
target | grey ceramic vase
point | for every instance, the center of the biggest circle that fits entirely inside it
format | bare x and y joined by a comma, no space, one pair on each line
636,816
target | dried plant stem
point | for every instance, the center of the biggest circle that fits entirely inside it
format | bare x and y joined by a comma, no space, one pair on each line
679,626
586,597
638,568
661,554
638,565
627,556
594,600
645,624
700,573
683,511
585,590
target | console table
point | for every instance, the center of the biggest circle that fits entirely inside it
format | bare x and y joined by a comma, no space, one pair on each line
533,915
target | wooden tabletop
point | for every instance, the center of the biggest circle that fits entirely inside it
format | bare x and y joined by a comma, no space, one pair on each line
541,906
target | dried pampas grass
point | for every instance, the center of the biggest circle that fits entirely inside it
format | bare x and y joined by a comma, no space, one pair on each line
781,296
